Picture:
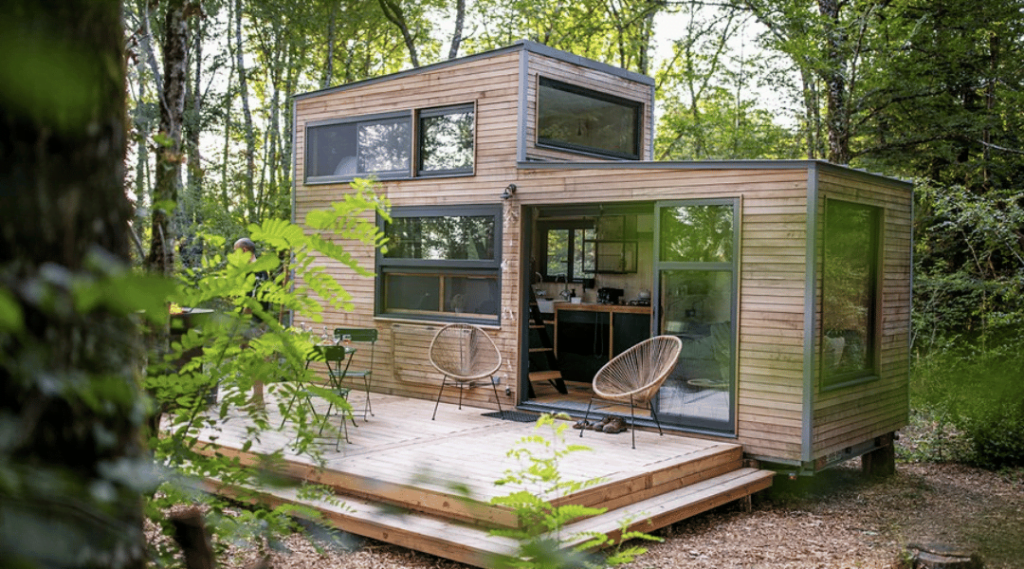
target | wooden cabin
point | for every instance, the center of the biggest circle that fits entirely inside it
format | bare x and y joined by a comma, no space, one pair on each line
526,200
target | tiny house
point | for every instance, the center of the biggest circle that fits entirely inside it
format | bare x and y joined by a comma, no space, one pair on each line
526,200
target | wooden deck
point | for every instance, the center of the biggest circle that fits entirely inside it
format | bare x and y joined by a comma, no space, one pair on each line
426,485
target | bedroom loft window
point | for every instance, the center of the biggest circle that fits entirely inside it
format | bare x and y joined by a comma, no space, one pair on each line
380,146
446,141
582,120
441,264
849,295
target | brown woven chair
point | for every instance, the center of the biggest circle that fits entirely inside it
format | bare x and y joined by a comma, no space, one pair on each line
464,353
635,376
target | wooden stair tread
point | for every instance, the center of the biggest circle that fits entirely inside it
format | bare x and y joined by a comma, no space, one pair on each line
545,375
474,545
668,508
457,541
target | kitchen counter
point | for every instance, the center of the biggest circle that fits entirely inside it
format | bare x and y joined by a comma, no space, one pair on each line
598,307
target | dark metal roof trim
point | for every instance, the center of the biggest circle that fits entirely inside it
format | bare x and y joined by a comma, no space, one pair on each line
521,45
716,165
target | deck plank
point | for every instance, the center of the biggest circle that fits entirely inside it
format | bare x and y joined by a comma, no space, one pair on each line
441,474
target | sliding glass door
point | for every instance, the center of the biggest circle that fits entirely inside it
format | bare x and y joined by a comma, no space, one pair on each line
695,263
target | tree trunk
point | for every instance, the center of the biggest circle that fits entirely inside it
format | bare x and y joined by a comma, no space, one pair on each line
328,74
834,74
169,155
393,12
460,18
193,129
69,392
250,135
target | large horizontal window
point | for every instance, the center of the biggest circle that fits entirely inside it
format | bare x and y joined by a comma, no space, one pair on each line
849,295
378,146
446,141
576,118
441,264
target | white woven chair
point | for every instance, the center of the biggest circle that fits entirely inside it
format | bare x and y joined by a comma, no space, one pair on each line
464,353
635,376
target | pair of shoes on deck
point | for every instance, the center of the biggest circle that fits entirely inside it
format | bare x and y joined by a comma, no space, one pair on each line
609,424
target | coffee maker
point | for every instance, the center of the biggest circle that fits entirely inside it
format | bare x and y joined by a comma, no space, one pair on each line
609,295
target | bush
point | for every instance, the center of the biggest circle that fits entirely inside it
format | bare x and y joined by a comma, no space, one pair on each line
976,388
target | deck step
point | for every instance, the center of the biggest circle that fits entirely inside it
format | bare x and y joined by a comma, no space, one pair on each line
474,545
671,507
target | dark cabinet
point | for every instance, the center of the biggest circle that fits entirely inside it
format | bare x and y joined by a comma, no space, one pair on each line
588,336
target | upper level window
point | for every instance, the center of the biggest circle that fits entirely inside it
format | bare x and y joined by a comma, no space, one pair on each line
441,264
446,140
341,150
576,118
849,300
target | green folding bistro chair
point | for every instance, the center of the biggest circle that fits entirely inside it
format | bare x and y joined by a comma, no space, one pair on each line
337,359
356,338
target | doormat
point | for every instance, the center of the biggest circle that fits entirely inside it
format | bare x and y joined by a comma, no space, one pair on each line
516,416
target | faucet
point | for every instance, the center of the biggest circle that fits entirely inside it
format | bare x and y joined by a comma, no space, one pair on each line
565,291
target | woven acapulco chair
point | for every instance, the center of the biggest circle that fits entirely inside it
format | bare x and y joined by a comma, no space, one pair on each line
635,376
464,353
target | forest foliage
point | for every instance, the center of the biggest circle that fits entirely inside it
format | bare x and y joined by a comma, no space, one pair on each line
926,91
929,91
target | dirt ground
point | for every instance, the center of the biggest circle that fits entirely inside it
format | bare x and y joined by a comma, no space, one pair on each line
836,520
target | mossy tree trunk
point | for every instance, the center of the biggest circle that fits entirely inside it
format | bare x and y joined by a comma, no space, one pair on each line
71,454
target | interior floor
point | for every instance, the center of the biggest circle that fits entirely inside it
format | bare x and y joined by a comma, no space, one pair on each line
575,402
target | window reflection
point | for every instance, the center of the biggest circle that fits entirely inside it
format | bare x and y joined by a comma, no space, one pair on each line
580,119
441,238
446,140
849,290
381,147
697,234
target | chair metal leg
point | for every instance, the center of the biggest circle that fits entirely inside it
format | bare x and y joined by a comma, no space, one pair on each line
498,399
632,422
367,408
586,416
438,402
656,421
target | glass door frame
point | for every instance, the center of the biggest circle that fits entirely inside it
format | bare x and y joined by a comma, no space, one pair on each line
696,424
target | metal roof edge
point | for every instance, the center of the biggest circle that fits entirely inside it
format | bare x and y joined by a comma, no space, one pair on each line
409,72
751,164
520,45
581,61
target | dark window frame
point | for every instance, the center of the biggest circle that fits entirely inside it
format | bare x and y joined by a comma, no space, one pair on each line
574,248
311,178
637,112
435,112
440,268
833,381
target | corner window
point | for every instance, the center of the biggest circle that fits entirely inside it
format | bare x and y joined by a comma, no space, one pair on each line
563,258
380,146
849,299
441,265
575,118
446,141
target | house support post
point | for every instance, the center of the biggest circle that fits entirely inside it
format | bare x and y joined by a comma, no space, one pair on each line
882,460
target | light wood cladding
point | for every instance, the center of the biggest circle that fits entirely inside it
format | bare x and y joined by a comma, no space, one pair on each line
772,268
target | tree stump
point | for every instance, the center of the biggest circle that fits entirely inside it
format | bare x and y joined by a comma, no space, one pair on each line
938,556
